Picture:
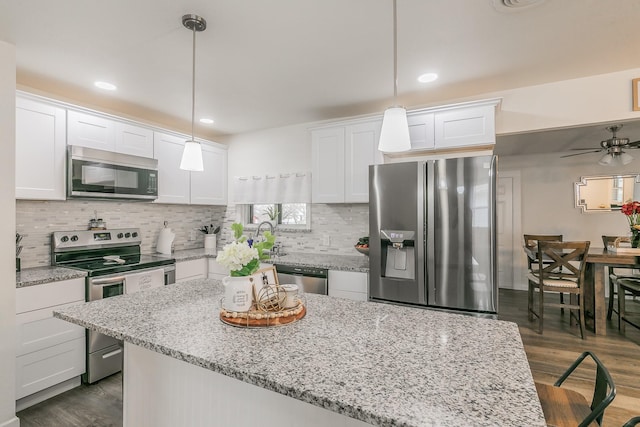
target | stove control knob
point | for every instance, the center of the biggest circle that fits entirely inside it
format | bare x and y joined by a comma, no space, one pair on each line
64,239
127,235
120,235
74,238
134,234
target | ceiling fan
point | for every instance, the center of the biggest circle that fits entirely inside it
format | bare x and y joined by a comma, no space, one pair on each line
613,148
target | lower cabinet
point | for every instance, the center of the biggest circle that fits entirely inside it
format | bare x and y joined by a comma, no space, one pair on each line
217,271
352,285
49,351
191,270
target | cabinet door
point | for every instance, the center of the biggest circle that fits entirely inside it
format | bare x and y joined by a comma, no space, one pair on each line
361,151
465,126
40,151
134,140
191,269
173,182
348,284
327,156
90,131
421,131
209,187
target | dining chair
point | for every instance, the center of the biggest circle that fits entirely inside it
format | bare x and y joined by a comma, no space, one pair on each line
630,286
615,272
565,407
561,268
632,422
531,243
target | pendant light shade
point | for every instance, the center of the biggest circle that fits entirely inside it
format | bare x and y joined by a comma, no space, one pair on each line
394,136
615,159
192,157
192,154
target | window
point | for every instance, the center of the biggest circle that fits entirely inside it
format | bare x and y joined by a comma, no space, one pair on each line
282,213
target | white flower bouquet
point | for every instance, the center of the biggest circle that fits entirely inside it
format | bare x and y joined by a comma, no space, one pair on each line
242,257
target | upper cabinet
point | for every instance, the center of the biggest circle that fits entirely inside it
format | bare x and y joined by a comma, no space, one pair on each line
175,185
341,156
470,124
40,150
103,133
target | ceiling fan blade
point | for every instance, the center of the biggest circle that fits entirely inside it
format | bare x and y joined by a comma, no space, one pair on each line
579,154
590,148
634,144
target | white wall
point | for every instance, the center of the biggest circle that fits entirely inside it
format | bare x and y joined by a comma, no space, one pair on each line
7,236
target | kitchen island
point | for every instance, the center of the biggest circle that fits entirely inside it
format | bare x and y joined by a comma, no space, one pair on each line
346,363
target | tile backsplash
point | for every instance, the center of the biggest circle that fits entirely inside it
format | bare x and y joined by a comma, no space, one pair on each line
341,224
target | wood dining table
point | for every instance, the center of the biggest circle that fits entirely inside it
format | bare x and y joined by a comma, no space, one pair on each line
598,259
594,290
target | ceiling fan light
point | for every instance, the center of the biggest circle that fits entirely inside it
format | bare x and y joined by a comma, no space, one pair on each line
606,160
625,158
192,157
394,136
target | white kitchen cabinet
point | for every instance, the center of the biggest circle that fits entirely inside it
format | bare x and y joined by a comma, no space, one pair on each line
463,127
209,187
421,131
175,185
341,156
49,352
135,140
352,285
40,150
90,130
191,269
216,270
103,133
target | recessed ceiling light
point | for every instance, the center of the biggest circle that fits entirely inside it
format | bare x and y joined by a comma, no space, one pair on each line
427,77
105,85
206,121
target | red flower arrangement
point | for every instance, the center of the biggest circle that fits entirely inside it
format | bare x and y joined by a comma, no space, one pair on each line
632,212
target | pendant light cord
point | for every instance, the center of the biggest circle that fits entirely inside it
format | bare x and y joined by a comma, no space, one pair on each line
193,83
395,54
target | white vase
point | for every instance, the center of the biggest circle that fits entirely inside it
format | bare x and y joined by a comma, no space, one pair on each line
238,293
210,242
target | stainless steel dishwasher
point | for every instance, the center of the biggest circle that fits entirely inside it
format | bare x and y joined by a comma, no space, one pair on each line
311,280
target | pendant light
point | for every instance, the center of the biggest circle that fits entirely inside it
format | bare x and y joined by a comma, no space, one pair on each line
192,154
394,136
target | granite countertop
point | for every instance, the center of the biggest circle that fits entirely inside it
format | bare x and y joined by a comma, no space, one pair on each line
383,364
332,262
40,275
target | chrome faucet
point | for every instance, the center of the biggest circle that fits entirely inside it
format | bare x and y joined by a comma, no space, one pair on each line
260,227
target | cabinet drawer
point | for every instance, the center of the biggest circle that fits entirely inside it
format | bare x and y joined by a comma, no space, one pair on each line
215,269
36,330
45,368
49,295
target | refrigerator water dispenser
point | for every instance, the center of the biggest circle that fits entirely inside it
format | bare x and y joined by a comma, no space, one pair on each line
398,259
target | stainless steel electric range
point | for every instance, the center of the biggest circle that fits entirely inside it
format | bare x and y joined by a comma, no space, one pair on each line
114,266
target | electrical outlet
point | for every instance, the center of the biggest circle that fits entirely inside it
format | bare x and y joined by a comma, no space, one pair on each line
326,240
192,235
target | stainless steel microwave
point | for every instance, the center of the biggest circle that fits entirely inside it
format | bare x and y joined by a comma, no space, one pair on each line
103,174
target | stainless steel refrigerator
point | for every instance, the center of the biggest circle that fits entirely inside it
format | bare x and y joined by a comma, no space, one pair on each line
432,233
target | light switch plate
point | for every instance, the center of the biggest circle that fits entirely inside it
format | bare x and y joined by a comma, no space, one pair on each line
326,240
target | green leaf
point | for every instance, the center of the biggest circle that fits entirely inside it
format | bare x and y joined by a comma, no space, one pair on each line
265,245
250,268
237,230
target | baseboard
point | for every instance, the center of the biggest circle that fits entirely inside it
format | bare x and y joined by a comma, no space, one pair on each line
13,422
47,393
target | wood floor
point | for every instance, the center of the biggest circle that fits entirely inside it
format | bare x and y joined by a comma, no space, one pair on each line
100,405
551,353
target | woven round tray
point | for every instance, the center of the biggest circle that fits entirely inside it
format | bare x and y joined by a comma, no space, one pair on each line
258,319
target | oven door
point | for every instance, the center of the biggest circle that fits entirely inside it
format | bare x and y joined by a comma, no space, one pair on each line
101,174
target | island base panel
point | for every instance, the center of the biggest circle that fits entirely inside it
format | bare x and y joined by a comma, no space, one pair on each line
162,391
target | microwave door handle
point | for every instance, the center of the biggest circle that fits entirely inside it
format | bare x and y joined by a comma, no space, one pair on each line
108,281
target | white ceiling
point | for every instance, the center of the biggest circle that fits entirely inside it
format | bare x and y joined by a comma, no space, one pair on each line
263,64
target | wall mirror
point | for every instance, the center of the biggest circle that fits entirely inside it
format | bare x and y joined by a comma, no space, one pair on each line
606,193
